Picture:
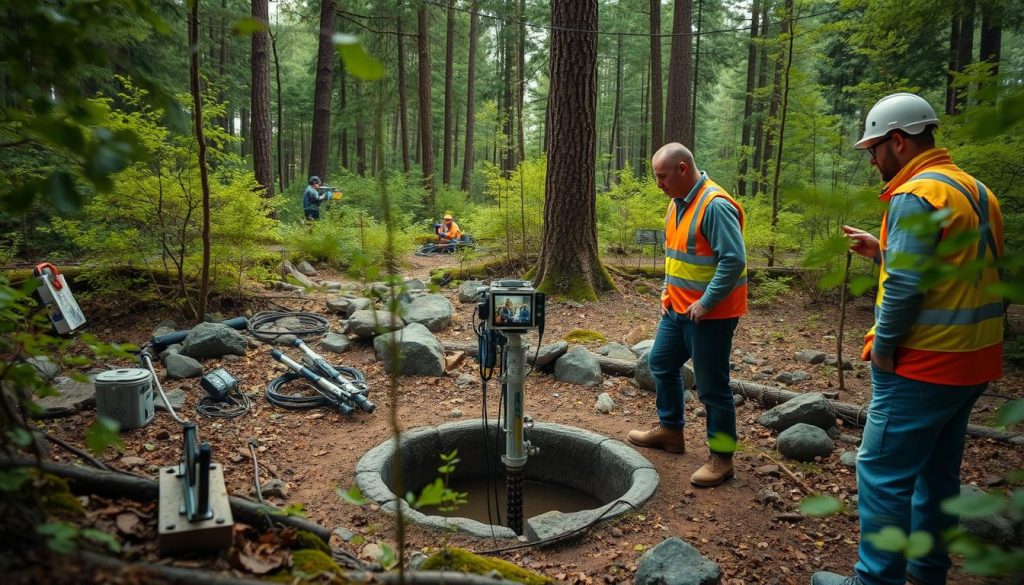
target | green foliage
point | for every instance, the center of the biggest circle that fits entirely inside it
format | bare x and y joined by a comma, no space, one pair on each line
820,506
723,443
309,563
516,222
457,559
632,203
584,336
438,493
769,290
342,237
893,539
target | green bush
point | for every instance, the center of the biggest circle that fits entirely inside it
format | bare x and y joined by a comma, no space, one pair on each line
769,290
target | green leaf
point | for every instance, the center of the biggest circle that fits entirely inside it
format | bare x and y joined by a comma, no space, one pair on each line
352,496
102,434
820,506
1010,413
974,505
20,436
431,495
889,539
248,26
861,284
919,544
104,538
357,61
11,480
61,190
722,443
387,557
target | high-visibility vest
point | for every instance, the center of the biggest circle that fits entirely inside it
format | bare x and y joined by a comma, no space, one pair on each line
957,338
690,263
452,233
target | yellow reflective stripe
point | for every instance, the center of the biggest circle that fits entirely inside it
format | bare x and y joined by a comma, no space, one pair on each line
687,271
957,338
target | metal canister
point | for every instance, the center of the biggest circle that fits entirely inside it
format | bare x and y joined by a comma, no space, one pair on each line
125,395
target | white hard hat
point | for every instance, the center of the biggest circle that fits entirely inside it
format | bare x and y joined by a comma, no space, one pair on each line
900,111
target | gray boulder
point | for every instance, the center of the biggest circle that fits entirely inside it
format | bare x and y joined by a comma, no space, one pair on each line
74,396
335,343
789,378
676,562
804,442
176,397
550,352
998,529
172,348
432,311
213,340
165,327
367,324
47,368
419,352
645,380
414,284
643,348
810,356
811,408
180,367
338,305
616,351
848,459
578,366
832,361
306,268
467,291
604,404
358,304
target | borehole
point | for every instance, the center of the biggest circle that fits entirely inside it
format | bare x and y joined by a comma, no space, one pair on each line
578,477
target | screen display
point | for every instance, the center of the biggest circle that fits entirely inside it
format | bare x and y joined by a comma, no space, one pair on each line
513,310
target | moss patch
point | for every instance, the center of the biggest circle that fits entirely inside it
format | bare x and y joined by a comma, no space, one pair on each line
56,497
305,539
585,336
457,559
312,562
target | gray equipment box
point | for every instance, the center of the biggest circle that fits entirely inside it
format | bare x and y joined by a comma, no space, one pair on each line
125,395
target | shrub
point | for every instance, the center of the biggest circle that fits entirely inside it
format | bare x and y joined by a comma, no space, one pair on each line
769,290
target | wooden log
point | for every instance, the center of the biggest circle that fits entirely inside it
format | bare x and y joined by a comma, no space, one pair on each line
853,413
113,484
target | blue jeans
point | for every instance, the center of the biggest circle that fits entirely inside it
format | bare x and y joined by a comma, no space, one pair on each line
909,462
709,343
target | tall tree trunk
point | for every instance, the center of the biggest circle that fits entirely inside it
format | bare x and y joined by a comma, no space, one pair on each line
361,132
520,79
965,48
640,150
320,132
426,132
222,64
449,50
280,117
991,33
343,112
748,100
568,262
615,136
246,139
403,102
954,48
696,74
657,115
790,32
759,105
769,139
678,125
262,160
467,158
204,179
507,104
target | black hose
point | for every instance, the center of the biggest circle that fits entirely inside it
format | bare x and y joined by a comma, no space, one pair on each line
311,324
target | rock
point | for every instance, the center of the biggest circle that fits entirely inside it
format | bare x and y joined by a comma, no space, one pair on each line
213,340
344,533
752,360
605,404
338,305
332,286
810,356
180,367
288,270
172,348
74,396
467,291
165,327
811,408
306,268
335,343
645,380
358,304
133,461
276,488
368,324
848,458
831,361
47,368
465,381
616,351
699,412
738,399
550,352
578,366
997,529
643,348
455,413
286,340
675,562
789,378
804,442
414,284
768,497
416,560
419,352
834,432
176,397
433,311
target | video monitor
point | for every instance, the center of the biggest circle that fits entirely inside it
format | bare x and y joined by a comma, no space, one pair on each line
512,310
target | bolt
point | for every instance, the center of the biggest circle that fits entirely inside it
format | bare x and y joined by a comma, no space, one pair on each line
170,527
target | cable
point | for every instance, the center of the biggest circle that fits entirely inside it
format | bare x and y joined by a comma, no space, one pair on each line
311,324
543,541
147,360
240,404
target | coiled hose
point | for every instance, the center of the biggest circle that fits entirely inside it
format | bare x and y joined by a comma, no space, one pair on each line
311,324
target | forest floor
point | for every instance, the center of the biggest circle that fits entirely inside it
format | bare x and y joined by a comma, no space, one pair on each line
752,534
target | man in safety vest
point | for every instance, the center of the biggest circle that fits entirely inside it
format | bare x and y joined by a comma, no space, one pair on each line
448,231
933,349
704,295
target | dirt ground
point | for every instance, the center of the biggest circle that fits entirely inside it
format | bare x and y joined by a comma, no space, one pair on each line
754,537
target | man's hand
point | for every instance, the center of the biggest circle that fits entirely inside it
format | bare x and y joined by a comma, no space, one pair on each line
664,310
863,243
696,312
884,364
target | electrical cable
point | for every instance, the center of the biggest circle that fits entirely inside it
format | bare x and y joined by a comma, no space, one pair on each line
544,541
240,404
310,324
147,360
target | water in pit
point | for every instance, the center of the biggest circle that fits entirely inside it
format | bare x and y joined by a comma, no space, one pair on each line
537,499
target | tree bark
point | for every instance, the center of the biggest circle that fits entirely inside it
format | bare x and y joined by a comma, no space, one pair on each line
696,75
280,116
657,114
262,161
615,136
759,113
782,131
568,262
204,179
361,132
954,46
991,33
467,158
426,132
678,125
403,102
520,79
769,139
246,144
319,143
449,50
748,100
343,112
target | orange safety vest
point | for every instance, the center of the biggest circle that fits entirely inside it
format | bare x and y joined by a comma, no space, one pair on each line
690,263
452,233
957,338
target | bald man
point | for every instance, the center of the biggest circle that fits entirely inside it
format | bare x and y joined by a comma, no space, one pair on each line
704,295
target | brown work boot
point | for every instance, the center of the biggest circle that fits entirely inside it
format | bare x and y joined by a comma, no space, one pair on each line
660,438
716,470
